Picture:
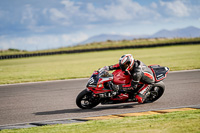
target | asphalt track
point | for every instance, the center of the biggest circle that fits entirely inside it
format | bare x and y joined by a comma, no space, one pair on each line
41,101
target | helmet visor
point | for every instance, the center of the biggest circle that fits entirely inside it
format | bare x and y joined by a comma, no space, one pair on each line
124,67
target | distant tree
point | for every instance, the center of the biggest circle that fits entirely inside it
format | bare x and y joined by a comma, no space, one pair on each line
124,40
13,49
109,40
16,50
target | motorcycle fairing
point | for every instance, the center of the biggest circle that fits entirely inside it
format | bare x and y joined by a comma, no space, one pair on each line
159,72
121,97
96,83
98,90
120,77
93,80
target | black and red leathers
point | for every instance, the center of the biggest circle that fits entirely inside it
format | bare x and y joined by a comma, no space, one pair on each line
139,73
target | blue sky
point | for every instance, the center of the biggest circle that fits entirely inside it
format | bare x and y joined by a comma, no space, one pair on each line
45,24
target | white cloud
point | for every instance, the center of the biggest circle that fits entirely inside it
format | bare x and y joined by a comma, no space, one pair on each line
56,14
153,5
120,10
59,17
41,41
30,19
28,16
64,16
70,6
75,16
126,33
176,8
83,14
74,38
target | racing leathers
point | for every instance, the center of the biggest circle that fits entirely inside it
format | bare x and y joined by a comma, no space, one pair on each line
139,73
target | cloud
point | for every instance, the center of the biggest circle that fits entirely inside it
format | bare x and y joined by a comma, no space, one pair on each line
59,17
67,15
176,8
81,14
74,38
38,42
70,6
153,5
57,14
63,22
120,10
27,15
29,19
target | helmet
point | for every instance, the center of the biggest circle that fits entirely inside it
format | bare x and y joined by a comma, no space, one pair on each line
126,63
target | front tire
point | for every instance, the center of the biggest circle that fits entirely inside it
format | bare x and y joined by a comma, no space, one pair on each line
156,92
85,100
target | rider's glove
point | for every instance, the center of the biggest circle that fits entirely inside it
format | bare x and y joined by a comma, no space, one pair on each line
106,68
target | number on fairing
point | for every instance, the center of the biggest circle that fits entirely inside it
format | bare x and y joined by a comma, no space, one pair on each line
91,80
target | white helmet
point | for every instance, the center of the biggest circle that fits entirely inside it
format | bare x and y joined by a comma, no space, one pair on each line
126,63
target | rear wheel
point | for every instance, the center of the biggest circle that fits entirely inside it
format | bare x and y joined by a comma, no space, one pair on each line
156,92
85,100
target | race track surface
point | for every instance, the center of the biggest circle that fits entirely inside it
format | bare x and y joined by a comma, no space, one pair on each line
32,102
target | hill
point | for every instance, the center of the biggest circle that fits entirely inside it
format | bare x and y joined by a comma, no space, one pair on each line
181,33
188,32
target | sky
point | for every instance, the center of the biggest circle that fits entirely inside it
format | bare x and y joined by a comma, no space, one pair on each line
46,24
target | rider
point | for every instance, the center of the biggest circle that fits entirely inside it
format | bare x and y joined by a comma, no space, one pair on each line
139,73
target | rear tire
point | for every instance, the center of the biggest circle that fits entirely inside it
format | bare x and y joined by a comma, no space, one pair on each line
85,100
156,92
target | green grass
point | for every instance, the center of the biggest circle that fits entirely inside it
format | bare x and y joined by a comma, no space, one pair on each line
68,66
134,42
176,122
107,44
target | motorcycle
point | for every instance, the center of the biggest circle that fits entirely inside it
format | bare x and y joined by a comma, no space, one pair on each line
103,87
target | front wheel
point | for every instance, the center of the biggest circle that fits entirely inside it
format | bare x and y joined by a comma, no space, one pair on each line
156,92
85,100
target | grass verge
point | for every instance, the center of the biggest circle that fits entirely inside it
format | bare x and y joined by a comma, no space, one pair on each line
107,44
69,66
175,122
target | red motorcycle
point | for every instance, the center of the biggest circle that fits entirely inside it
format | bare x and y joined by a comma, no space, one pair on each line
104,88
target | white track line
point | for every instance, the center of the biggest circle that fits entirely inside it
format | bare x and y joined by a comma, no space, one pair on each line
46,81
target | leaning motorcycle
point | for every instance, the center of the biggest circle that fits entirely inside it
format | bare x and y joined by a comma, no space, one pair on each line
103,87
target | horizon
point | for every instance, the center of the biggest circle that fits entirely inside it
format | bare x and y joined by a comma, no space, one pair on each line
36,25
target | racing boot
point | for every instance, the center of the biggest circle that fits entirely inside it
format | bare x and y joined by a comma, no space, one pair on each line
142,93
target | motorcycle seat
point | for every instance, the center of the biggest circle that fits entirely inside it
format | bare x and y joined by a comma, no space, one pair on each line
159,72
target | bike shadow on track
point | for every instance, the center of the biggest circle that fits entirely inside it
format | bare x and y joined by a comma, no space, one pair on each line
78,110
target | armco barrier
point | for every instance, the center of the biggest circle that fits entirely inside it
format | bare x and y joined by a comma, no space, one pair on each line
96,49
